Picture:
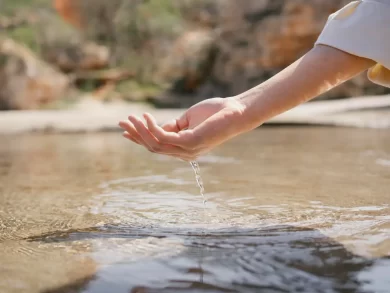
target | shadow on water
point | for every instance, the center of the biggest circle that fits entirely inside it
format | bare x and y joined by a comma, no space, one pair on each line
273,259
77,286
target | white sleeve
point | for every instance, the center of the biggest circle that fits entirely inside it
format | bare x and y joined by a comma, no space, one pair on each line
362,28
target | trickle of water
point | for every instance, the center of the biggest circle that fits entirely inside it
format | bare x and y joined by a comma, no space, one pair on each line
199,181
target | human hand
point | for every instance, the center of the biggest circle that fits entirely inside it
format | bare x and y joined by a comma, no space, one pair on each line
212,122
201,128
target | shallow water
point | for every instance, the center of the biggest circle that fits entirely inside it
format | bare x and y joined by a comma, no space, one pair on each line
289,210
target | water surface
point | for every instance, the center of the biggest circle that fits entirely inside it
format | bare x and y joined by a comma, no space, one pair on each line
289,210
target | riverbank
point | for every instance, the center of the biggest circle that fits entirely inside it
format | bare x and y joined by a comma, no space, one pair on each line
94,116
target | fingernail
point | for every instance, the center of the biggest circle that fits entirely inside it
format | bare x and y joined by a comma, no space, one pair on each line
133,118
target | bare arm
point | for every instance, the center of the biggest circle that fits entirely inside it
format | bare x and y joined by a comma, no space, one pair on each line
212,122
318,71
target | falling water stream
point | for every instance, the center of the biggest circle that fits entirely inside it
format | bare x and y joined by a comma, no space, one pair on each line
195,167
199,181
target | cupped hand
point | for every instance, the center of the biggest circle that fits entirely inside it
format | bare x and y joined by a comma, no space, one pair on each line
200,129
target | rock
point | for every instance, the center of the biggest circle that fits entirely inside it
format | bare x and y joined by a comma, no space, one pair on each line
68,46
187,67
90,14
70,11
74,57
224,47
260,38
27,82
109,75
7,23
190,60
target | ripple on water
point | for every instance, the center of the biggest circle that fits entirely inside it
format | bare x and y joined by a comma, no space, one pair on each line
141,200
277,258
278,219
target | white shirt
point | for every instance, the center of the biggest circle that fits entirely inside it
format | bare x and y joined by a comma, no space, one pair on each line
362,28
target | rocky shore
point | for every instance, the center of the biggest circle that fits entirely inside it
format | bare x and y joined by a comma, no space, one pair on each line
167,53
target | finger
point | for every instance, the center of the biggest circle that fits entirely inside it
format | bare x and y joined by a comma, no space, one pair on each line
135,137
132,133
179,157
176,125
181,139
154,144
129,137
171,126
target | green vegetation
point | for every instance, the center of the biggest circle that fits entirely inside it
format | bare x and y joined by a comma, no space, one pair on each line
138,34
135,91
18,10
25,35
11,7
158,18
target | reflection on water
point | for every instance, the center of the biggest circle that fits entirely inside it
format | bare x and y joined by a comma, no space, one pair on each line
289,210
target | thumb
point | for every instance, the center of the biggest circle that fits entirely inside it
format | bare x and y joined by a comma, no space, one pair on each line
177,125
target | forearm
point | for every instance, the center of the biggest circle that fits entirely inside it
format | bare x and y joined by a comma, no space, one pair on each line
317,72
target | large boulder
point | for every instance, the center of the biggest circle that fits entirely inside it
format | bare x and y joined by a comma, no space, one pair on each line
189,61
77,56
26,82
186,68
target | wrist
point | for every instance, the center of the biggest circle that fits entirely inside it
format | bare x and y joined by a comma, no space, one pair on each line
252,114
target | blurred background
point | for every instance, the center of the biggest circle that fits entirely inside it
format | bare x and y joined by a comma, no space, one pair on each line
92,212
168,53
